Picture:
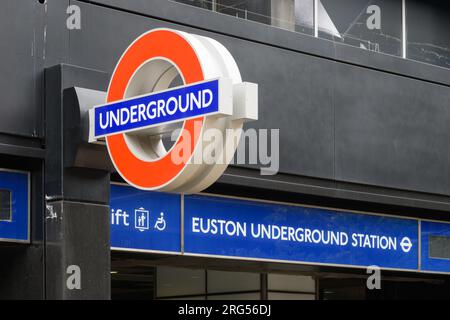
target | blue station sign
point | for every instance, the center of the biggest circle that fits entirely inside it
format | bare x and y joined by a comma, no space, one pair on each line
239,228
14,206
223,227
206,98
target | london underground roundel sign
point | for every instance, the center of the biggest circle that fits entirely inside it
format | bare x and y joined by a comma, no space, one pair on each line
142,106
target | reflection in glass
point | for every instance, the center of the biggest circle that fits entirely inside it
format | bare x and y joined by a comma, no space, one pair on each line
304,16
293,15
231,281
291,283
236,296
198,3
258,11
173,282
290,296
374,25
428,26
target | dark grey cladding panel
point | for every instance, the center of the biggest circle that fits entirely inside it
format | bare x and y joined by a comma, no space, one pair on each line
392,131
77,234
64,181
104,36
20,113
53,36
295,89
22,271
296,97
32,35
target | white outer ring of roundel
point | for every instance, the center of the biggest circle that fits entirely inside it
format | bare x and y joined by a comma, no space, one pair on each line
216,61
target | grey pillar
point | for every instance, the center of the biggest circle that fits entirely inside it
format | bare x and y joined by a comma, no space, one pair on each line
77,259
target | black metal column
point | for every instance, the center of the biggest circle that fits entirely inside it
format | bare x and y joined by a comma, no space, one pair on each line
77,259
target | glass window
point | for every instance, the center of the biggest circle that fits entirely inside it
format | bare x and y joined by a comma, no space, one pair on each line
290,296
5,205
428,25
131,282
236,296
304,16
374,25
255,10
204,4
185,298
342,289
229,281
173,282
293,15
284,282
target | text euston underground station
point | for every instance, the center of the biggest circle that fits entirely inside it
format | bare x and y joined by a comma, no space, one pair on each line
296,234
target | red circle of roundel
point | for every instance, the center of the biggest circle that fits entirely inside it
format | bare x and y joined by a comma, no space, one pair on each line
165,44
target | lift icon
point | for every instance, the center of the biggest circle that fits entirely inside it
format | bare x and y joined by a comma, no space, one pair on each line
141,219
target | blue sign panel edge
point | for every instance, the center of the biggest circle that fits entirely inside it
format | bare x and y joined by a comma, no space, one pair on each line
24,222
432,264
167,244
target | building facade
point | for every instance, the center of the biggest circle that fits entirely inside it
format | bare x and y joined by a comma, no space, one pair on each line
359,92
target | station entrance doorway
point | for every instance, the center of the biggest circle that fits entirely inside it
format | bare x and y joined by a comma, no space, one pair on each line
165,277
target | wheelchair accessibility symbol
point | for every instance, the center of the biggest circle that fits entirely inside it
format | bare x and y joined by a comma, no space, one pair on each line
160,222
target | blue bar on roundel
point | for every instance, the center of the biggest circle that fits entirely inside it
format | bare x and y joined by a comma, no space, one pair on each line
159,108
